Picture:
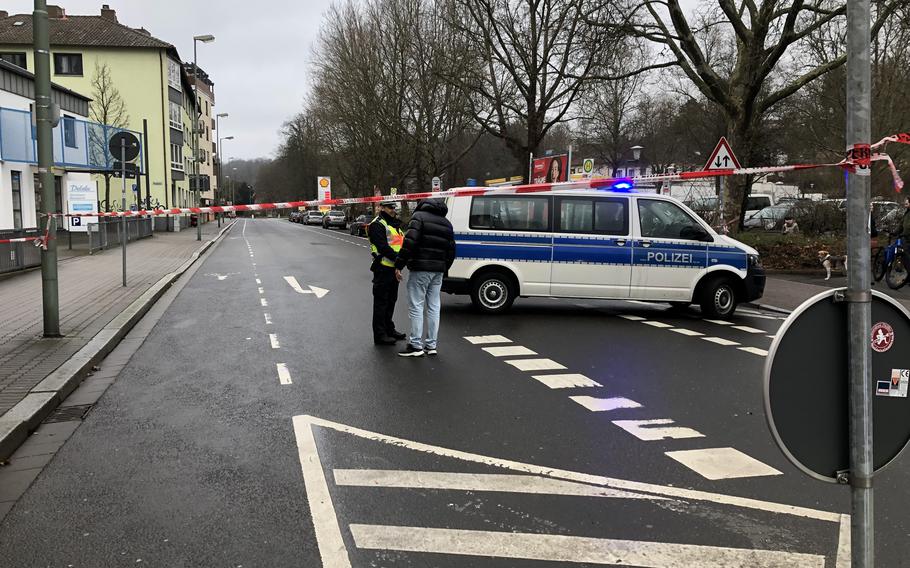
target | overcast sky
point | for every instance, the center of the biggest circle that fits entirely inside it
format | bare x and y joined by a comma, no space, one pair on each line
259,60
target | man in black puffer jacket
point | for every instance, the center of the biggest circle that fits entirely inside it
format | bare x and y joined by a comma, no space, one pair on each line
428,252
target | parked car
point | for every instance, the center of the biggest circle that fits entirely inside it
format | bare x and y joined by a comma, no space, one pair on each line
313,218
335,218
359,225
296,217
769,218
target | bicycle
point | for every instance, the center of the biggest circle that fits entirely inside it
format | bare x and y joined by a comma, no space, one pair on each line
892,264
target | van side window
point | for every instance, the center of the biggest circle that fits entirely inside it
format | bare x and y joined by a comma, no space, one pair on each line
664,220
510,213
607,216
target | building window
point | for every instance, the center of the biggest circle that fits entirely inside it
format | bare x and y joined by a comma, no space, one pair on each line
68,63
17,58
69,132
173,75
177,157
16,184
176,123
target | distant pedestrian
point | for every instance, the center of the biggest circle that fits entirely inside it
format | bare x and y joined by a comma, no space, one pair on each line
790,226
386,239
428,252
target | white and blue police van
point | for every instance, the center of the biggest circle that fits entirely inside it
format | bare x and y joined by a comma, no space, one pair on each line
602,244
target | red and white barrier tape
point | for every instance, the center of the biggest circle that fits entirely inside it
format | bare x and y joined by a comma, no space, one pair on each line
21,240
850,163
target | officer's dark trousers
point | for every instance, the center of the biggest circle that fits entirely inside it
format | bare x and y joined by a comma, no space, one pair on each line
385,294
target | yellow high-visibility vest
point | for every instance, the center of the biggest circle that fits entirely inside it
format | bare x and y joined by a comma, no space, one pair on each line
395,238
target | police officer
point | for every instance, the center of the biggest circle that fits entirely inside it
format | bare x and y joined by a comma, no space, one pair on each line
386,239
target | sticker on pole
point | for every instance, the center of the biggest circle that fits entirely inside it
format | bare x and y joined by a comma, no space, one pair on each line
722,158
882,337
897,386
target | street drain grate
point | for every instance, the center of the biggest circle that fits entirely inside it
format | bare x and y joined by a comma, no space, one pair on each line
68,413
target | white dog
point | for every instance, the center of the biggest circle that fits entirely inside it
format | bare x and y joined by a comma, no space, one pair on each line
830,262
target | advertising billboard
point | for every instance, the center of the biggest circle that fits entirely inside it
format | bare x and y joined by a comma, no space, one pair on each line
550,169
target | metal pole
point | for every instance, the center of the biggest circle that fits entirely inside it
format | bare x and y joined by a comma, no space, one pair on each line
720,202
145,159
45,131
569,165
859,116
196,144
123,206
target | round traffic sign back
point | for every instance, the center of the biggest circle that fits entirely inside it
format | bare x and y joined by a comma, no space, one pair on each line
121,142
807,385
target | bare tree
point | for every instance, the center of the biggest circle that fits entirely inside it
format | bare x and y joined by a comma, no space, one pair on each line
742,55
109,109
533,59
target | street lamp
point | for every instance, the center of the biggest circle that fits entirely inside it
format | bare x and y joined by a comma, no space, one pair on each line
208,38
218,133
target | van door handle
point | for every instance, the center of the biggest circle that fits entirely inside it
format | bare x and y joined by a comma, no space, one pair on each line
620,242
646,244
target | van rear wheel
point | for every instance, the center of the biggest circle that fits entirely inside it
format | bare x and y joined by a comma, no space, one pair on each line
718,299
493,292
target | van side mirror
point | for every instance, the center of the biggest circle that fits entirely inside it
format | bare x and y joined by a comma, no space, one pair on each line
694,233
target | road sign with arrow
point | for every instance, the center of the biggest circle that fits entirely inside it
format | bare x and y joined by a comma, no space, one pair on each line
722,158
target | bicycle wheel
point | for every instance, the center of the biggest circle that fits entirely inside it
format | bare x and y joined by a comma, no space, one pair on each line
897,272
879,265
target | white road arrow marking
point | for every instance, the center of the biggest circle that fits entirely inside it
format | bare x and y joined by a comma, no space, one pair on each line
319,292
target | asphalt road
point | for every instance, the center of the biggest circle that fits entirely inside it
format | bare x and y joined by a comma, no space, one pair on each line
258,425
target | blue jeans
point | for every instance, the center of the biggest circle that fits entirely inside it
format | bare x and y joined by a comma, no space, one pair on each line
423,290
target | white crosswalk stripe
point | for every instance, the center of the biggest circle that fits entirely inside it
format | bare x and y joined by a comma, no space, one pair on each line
658,429
604,404
754,351
566,381
509,350
748,329
722,463
688,332
720,341
484,339
535,364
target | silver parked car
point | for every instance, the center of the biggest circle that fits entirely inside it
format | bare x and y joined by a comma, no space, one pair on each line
313,218
335,218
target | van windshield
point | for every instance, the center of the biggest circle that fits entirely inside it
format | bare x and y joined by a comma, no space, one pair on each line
754,202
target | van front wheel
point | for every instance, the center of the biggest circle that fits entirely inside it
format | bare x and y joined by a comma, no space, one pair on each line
718,299
493,292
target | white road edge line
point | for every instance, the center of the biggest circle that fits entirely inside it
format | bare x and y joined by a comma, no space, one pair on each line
284,376
576,549
268,318
325,522
264,302
497,482
273,339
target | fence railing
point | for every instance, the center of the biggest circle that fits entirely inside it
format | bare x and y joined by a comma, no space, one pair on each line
77,143
108,232
18,256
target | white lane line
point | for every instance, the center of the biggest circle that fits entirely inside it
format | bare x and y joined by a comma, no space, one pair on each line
722,463
639,302
284,376
632,318
567,381
325,522
258,281
748,329
688,332
720,341
268,318
754,351
498,482
509,350
604,404
261,291
264,302
577,549
273,340
243,232
484,339
535,364
770,336
843,543
659,324
304,425
720,322
650,430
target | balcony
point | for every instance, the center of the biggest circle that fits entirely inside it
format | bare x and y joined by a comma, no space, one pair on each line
78,144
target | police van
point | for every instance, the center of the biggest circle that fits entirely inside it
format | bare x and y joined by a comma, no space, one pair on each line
604,244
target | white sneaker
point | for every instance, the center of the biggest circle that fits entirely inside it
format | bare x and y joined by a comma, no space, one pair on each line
429,351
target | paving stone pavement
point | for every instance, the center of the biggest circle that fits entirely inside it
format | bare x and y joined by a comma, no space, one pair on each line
91,295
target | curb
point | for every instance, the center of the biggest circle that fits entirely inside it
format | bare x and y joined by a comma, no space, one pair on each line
19,421
769,308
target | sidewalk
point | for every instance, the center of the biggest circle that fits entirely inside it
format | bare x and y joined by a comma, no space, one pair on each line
788,291
91,295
